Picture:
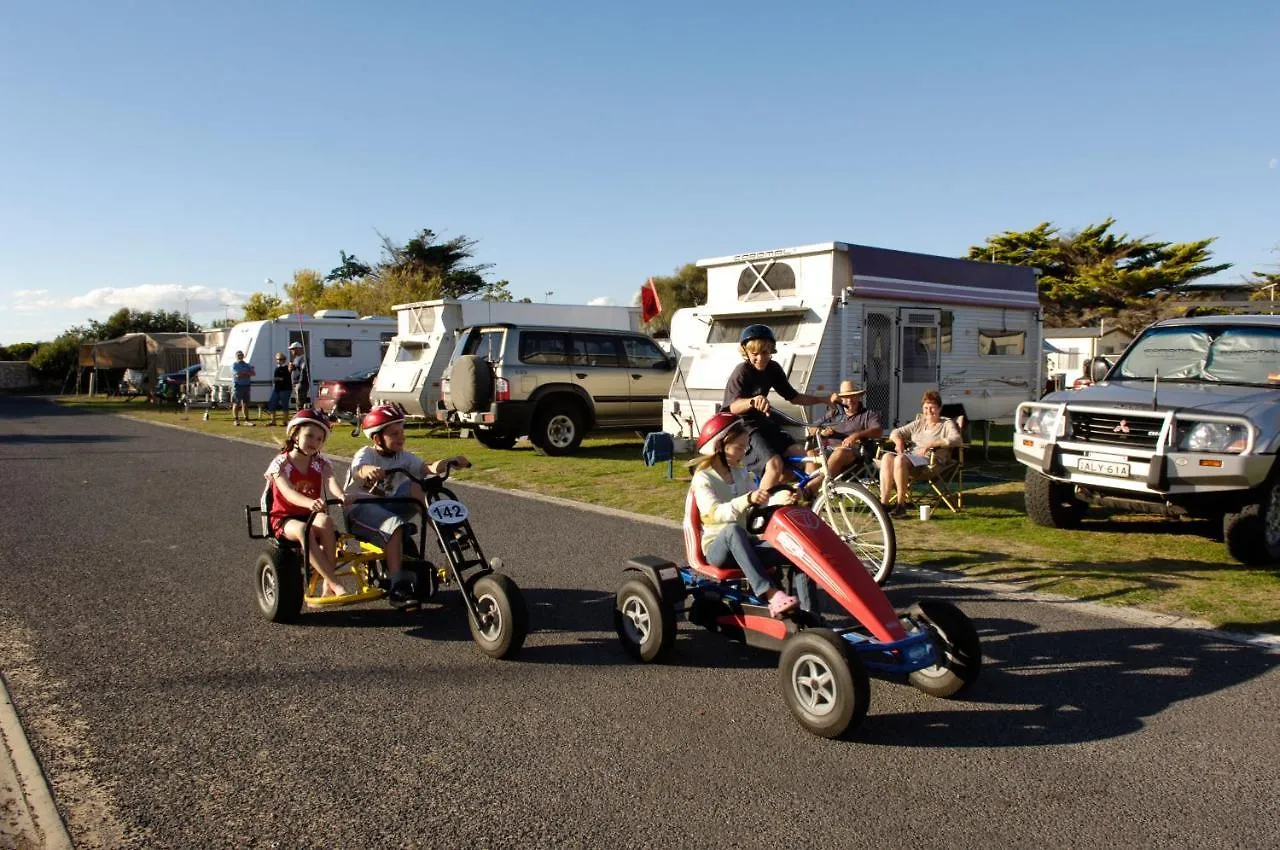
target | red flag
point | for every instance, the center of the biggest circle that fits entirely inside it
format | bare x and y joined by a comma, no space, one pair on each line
650,304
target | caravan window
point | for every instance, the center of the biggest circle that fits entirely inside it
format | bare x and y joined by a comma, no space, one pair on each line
730,328
409,351
337,348
1002,342
766,279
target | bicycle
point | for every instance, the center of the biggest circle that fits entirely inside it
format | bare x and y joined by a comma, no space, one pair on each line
853,511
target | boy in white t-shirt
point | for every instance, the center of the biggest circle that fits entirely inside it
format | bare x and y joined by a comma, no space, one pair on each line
369,477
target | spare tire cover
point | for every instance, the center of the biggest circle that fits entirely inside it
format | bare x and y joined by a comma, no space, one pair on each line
470,384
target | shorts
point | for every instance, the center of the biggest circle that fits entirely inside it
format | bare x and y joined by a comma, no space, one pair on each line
239,394
766,442
279,400
377,522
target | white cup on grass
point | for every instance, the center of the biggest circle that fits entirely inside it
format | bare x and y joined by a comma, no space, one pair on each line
926,511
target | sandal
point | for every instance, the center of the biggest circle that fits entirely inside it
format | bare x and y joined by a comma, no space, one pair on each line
782,603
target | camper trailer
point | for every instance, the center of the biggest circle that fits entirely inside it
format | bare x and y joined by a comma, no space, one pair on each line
336,343
425,336
896,322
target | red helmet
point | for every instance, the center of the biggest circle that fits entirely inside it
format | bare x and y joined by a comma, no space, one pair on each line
715,430
307,416
380,417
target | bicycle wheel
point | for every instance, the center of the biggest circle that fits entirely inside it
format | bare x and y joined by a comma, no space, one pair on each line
857,516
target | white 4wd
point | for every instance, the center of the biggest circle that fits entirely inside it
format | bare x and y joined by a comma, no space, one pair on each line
1187,423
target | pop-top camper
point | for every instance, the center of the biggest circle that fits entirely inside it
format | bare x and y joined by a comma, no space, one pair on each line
898,323
337,343
424,342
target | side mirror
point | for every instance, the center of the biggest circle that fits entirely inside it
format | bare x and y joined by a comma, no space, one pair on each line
1098,369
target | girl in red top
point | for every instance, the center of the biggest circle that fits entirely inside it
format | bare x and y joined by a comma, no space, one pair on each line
299,477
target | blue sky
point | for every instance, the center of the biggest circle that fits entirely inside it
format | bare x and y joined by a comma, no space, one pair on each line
155,153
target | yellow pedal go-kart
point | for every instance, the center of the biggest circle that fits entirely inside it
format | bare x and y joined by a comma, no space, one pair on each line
496,611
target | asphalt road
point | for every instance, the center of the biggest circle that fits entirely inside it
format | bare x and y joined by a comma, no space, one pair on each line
168,714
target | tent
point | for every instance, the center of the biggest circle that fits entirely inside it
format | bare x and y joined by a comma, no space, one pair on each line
153,354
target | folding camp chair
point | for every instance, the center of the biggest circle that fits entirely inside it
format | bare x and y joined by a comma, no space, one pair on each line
944,477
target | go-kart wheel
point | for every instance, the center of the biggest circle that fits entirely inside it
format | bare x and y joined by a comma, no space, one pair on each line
824,683
504,618
646,627
278,586
956,641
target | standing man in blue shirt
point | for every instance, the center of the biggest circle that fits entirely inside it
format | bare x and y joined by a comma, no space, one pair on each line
241,378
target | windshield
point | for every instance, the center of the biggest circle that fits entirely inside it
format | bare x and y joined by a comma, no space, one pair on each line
1228,355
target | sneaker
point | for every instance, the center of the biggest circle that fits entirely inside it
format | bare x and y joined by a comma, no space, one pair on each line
899,509
237,424
402,594
251,424
782,603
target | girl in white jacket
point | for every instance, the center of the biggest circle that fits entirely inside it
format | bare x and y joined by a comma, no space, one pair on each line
723,491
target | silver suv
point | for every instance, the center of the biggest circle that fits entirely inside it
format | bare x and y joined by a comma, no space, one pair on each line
1186,423
553,384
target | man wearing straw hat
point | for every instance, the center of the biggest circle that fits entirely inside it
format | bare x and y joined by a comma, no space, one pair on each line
852,424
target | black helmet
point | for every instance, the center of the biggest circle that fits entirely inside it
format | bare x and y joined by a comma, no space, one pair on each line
751,332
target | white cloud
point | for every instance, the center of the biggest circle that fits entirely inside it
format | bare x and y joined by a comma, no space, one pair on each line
157,296
602,301
30,300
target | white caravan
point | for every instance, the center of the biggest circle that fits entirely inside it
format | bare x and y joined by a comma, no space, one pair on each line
416,359
337,343
895,322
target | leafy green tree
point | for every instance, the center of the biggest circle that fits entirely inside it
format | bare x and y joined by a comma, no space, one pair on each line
54,360
350,270
685,287
306,292
126,321
1094,272
500,291
19,351
260,306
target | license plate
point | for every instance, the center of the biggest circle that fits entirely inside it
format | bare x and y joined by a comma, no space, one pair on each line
1103,467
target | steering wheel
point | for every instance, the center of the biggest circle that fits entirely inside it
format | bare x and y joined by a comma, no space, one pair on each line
758,516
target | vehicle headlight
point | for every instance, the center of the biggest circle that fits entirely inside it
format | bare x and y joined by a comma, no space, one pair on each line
1214,437
1042,421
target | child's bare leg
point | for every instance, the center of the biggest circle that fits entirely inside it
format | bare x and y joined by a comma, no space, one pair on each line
773,471
323,545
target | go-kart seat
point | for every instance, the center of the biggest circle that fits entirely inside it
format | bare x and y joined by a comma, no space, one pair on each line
693,545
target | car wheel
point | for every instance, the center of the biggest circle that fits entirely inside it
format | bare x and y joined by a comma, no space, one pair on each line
646,627
557,429
278,586
1050,503
492,440
504,619
957,644
1252,534
824,683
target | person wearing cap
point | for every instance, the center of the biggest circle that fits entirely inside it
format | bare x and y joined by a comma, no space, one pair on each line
723,494
853,425
241,381
300,376
747,395
280,387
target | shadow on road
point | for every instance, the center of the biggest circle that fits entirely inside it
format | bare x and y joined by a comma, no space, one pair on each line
1043,688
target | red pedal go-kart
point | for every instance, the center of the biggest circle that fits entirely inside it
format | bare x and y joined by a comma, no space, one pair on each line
496,611
824,671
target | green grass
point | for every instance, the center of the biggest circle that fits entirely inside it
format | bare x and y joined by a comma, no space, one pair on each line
1159,565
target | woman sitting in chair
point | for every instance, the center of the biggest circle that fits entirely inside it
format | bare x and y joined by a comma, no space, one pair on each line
928,432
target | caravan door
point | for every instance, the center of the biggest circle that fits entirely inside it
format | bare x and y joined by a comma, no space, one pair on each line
878,360
918,332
